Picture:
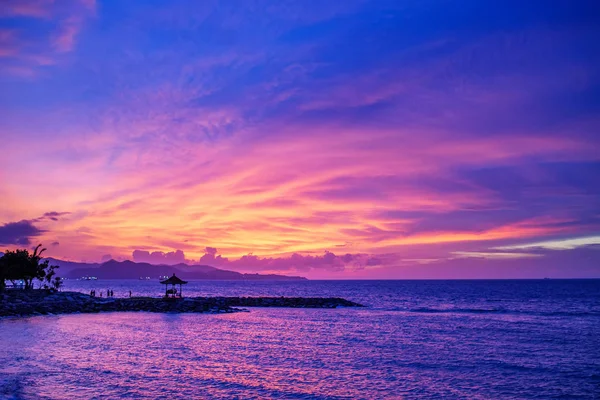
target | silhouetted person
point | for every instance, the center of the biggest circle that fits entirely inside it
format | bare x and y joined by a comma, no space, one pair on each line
130,293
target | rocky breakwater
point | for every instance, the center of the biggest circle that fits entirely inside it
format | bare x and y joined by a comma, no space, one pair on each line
41,302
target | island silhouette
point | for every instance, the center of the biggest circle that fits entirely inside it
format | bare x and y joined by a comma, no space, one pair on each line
113,269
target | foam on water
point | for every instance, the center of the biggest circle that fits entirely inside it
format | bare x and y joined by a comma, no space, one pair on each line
418,339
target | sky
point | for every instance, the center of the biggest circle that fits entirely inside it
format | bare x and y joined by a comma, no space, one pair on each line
329,139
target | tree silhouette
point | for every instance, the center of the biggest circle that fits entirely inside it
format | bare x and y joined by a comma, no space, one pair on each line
21,265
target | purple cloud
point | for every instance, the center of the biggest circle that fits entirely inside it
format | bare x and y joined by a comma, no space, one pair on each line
159,257
211,258
52,215
19,233
296,262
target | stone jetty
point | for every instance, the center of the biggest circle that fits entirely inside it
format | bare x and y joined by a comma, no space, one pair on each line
42,302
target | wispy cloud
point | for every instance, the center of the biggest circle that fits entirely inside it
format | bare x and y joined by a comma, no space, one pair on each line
28,8
23,50
493,255
65,37
559,244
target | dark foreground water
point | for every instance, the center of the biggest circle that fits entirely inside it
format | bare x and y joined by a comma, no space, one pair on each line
417,339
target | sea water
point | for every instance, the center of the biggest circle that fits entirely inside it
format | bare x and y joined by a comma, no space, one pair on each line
415,339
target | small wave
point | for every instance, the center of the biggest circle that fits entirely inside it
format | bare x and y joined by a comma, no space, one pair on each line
428,310
457,310
569,314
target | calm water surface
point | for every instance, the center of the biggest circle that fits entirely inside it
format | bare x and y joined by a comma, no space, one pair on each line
417,339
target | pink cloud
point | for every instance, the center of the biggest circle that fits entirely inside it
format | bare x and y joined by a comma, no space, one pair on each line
68,31
30,8
8,48
22,55
328,262
159,257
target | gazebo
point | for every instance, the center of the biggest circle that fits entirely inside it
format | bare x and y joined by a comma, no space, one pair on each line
173,281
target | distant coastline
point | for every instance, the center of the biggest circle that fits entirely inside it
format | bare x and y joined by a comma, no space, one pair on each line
113,269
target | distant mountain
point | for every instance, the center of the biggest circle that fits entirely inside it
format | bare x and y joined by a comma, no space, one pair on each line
70,265
131,270
64,265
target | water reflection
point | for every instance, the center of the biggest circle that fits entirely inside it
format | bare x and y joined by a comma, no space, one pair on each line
443,348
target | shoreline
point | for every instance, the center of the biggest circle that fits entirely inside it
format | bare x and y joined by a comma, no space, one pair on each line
22,303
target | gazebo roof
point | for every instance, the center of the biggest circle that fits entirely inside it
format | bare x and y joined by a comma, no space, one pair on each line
173,281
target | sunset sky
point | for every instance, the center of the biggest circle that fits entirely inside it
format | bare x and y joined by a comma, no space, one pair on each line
329,139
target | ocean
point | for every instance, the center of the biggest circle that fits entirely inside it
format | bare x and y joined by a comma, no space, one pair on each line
415,340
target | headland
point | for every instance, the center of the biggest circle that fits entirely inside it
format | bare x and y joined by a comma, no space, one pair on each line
44,302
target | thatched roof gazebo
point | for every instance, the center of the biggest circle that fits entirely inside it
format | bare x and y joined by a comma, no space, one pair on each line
173,291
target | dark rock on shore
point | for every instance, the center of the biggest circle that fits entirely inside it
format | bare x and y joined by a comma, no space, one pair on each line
42,302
